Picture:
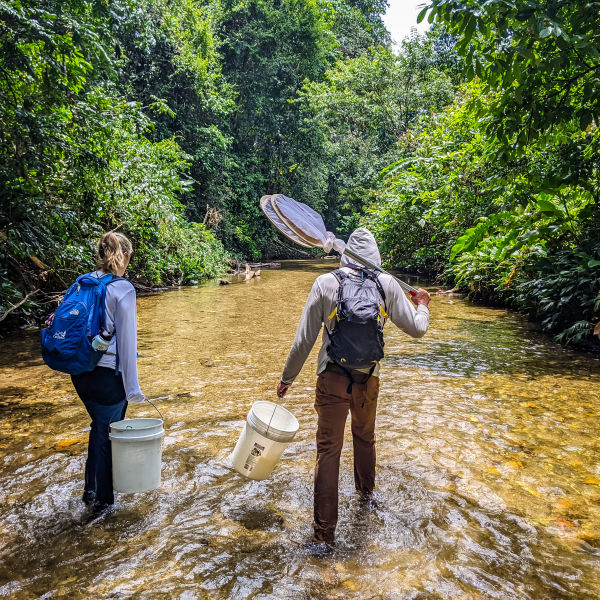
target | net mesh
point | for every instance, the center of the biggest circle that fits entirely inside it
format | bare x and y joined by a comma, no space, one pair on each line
300,223
305,227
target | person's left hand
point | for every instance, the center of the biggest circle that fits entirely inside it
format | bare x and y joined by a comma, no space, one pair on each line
282,389
421,297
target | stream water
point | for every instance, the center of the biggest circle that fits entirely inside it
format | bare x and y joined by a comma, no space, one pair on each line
488,453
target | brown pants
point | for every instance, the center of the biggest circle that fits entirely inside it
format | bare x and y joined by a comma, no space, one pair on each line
332,404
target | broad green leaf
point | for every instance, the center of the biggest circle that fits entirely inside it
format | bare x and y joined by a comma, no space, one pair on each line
546,205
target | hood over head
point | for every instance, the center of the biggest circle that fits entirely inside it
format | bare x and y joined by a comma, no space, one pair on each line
362,243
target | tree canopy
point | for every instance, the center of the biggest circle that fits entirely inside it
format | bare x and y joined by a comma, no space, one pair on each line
471,151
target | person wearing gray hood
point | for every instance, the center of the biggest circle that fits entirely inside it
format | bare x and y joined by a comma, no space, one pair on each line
335,394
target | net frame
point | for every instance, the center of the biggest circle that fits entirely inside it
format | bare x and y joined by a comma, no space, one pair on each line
293,219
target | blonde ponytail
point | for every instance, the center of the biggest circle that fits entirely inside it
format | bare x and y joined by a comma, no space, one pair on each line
112,249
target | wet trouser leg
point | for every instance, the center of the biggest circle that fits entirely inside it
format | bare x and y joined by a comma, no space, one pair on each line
363,409
103,395
333,401
98,467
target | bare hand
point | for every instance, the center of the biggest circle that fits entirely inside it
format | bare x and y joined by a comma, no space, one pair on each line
421,297
282,389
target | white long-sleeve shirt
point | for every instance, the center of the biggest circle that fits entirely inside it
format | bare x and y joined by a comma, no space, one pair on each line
320,304
322,301
121,318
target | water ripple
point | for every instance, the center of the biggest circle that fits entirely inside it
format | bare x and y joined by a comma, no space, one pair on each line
488,476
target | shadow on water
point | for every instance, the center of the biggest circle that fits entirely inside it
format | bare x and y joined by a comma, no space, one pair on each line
488,477
23,350
20,411
256,518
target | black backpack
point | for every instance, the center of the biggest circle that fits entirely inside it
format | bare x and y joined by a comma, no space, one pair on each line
356,341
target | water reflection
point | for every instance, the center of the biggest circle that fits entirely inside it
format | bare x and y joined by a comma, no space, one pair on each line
488,464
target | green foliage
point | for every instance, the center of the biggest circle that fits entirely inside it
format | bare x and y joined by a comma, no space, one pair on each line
435,190
148,115
539,64
537,258
77,157
169,54
358,112
562,290
449,206
540,58
268,49
357,25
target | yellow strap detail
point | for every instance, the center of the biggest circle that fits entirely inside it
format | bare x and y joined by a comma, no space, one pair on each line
333,313
383,313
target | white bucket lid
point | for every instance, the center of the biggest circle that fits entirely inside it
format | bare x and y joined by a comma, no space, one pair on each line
273,421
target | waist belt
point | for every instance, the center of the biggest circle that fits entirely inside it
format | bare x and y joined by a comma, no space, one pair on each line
352,374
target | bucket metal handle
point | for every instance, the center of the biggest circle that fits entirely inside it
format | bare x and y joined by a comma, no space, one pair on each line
155,408
270,420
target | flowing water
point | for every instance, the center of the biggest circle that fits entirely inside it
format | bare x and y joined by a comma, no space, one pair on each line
488,464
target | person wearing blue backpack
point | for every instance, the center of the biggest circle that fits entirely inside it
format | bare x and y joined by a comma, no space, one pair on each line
93,337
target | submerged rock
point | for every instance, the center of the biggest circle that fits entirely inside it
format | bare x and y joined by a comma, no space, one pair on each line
257,518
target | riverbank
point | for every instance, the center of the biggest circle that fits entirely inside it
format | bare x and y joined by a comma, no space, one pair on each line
33,287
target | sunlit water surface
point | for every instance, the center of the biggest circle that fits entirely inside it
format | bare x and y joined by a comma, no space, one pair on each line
488,454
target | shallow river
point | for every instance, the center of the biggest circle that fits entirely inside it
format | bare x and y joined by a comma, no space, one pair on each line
488,464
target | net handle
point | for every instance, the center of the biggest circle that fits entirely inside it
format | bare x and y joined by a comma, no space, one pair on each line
367,263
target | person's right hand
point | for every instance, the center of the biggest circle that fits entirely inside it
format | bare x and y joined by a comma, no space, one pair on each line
282,389
421,297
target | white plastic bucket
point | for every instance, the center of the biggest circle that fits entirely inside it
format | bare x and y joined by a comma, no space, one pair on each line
269,428
136,454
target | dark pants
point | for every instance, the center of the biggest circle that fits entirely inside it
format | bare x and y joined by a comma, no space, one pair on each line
333,400
103,395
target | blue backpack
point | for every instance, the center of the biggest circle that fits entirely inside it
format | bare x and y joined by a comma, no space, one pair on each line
67,342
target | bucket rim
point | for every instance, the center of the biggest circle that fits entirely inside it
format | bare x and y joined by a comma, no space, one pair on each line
142,424
140,438
274,404
275,433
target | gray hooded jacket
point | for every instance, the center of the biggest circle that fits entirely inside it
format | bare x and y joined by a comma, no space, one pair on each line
322,300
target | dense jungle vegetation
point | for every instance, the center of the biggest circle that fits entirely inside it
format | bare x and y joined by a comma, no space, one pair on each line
472,152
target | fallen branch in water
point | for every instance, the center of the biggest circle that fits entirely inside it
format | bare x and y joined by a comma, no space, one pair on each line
239,267
146,288
266,265
6,313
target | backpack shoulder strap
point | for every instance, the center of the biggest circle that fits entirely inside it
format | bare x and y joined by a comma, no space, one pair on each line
110,278
380,289
106,280
339,275
114,278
